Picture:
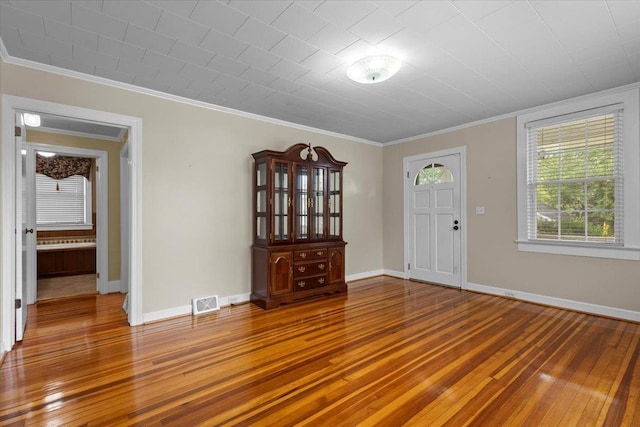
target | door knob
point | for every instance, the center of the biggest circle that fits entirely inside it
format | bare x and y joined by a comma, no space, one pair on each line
455,227
455,222
28,230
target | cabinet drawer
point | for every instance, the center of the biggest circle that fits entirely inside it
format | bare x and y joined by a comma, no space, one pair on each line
310,268
310,254
309,283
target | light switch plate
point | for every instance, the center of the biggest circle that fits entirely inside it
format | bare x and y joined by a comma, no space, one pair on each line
479,210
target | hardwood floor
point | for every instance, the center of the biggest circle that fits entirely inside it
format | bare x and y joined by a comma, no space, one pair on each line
390,352
58,287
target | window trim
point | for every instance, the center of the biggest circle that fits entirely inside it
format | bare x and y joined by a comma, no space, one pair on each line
630,248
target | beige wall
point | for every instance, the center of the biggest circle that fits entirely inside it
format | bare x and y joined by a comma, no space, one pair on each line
493,257
196,177
113,158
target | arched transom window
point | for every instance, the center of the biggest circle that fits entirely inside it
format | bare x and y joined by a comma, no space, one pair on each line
434,173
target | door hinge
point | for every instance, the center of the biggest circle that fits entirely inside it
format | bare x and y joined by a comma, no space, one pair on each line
97,168
407,174
18,131
97,275
18,304
409,265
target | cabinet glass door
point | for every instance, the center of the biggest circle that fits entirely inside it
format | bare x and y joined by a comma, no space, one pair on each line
280,201
261,200
334,204
302,202
317,203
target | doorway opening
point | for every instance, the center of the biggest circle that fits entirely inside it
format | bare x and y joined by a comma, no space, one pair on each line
12,241
65,187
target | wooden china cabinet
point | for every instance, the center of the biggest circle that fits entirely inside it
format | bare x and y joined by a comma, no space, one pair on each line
298,249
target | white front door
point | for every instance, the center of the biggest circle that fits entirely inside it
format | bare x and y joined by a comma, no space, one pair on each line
434,204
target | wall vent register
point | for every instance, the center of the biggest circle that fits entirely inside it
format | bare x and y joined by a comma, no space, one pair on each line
205,304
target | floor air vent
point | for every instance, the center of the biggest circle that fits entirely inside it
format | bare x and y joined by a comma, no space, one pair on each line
205,305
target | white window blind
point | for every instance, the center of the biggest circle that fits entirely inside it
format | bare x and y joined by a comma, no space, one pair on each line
65,202
574,177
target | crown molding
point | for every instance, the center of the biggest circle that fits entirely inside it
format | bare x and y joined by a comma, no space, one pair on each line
515,113
4,55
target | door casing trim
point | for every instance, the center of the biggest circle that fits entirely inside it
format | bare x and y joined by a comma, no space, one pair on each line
10,105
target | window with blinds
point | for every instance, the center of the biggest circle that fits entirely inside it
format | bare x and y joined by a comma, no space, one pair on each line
64,203
574,177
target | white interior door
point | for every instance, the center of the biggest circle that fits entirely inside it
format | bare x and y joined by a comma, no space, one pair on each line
30,209
434,203
26,234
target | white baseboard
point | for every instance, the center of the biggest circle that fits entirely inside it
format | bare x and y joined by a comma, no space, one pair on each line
601,310
373,273
234,299
154,316
491,290
364,275
166,314
393,273
113,286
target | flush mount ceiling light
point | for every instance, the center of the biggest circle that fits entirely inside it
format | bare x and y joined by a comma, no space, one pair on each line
373,69
31,120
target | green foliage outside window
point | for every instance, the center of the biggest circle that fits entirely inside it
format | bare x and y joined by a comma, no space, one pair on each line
575,185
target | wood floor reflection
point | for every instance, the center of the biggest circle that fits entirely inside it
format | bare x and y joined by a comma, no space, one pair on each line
390,352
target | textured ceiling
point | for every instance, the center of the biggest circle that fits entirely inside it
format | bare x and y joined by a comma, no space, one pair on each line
462,60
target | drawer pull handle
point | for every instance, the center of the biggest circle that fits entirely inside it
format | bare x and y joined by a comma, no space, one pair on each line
320,253
301,284
303,255
321,266
301,269
321,280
